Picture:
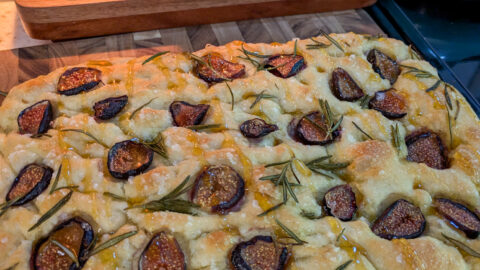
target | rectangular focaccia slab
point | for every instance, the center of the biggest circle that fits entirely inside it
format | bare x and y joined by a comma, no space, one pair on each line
368,152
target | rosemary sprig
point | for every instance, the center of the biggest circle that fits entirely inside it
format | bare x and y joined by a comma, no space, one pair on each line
115,196
462,246
344,266
139,108
324,167
158,146
35,136
398,141
203,127
332,40
258,97
290,233
282,179
419,73
434,86
208,64
361,130
170,202
84,132
413,53
3,94
52,210
271,209
154,56
70,253
260,66
254,54
317,45
111,242
363,102
331,123
55,182
231,94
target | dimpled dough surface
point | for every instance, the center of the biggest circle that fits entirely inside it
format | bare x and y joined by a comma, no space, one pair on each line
377,173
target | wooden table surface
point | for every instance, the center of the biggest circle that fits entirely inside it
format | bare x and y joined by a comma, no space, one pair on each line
22,64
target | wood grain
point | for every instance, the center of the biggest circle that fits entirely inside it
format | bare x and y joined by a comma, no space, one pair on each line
64,19
23,64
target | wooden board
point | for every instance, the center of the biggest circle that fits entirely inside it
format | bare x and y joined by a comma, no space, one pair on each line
67,19
22,64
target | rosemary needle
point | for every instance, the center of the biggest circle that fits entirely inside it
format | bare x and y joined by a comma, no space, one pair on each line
57,177
111,242
141,107
462,246
84,132
52,210
361,130
67,251
231,94
154,56
290,233
344,266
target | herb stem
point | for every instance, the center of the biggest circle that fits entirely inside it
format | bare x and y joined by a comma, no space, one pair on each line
52,210
86,133
154,56
111,242
361,130
290,233
139,108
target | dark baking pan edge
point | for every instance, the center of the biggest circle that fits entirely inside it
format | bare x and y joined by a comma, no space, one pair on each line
391,18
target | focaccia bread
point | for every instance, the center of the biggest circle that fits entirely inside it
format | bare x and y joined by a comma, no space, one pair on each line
343,151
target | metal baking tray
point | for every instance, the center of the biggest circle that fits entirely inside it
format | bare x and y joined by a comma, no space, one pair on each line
396,24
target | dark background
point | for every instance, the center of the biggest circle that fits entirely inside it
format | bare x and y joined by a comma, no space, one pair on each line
453,29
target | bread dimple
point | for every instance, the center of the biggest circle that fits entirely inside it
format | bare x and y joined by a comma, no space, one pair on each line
376,171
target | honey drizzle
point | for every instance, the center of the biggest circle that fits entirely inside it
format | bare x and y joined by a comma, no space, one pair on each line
410,255
354,251
130,74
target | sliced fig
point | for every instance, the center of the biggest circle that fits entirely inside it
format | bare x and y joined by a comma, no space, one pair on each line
402,219
256,128
36,118
32,180
459,216
75,234
314,134
259,253
110,107
340,202
77,80
162,252
344,87
218,188
129,158
222,69
285,65
425,146
385,66
185,114
389,103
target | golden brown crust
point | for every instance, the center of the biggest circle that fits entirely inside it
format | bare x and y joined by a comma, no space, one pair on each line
378,172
